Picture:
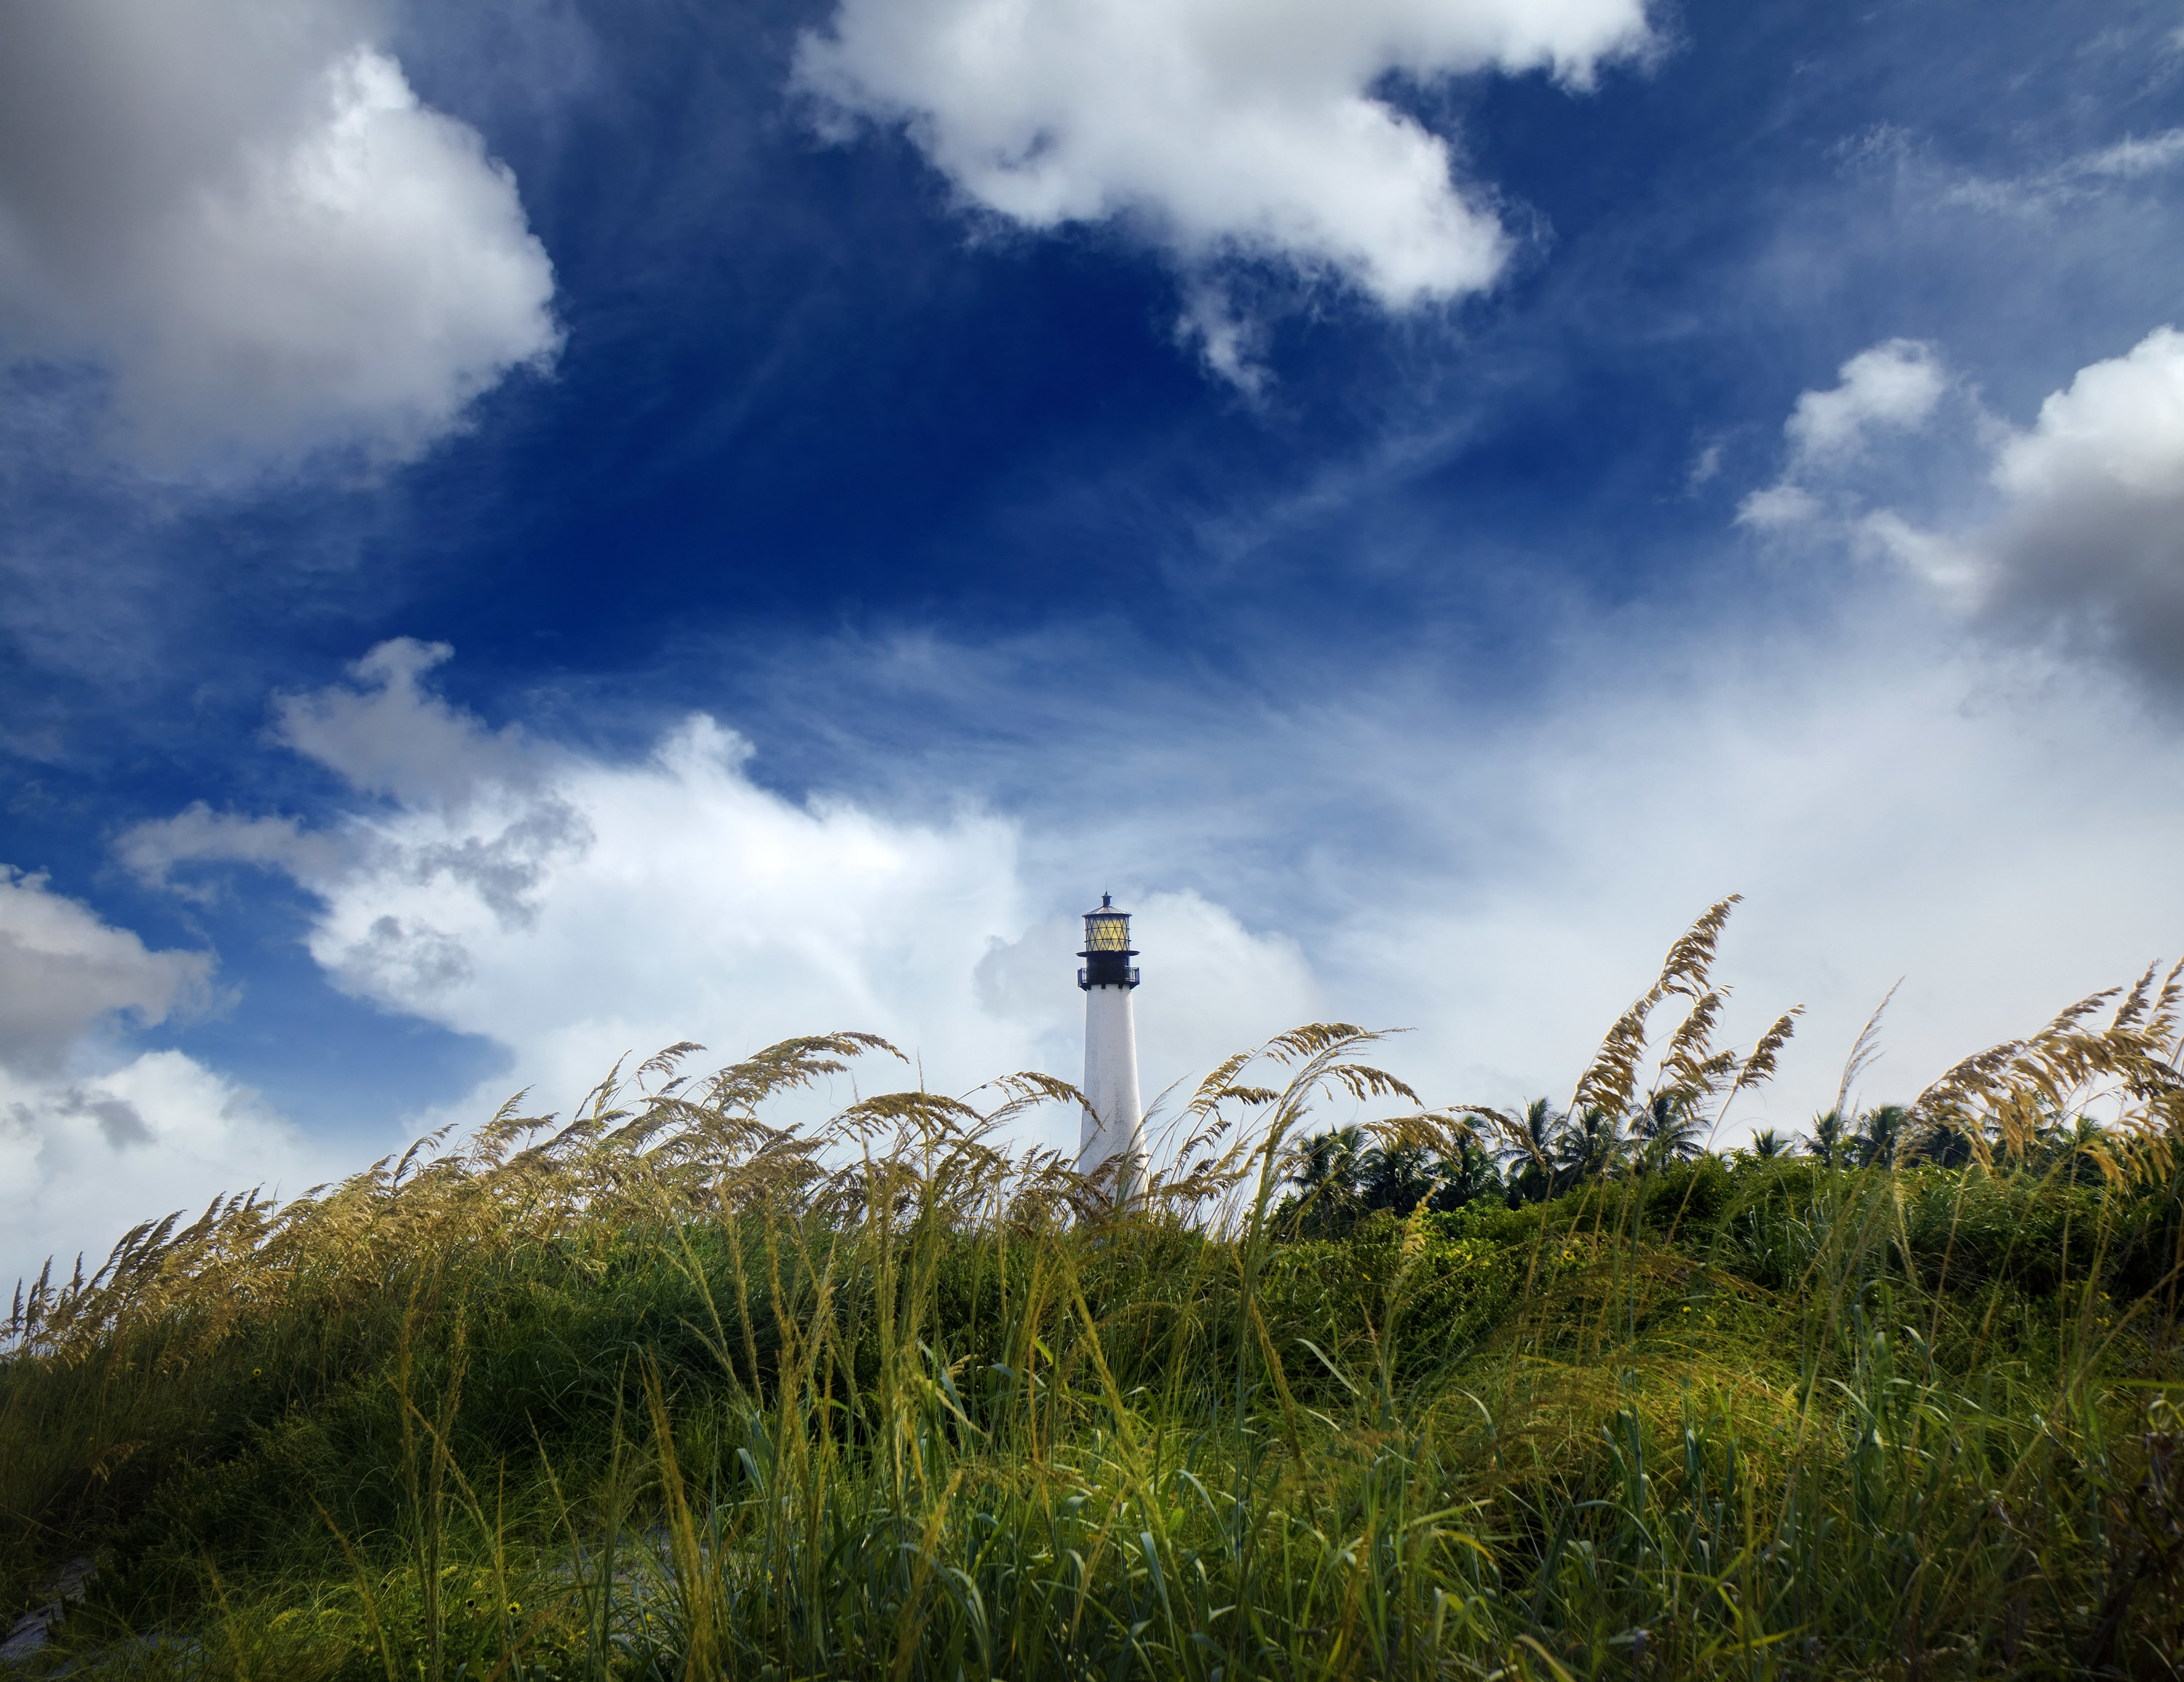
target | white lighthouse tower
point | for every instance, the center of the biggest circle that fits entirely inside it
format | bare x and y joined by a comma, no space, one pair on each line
1114,1120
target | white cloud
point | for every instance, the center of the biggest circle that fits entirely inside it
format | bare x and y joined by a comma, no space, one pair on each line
572,909
2085,176
2080,540
152,852
1774,507
2092,540
1892,803
63,972
92,1141
1957,572
1990,828
1228,339
85,1159
387,734
2117,430
241,212
1503,884
1892,387
2131,156
1218,127
394,737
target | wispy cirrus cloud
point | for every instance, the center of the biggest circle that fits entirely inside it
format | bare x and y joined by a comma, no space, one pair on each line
2085,175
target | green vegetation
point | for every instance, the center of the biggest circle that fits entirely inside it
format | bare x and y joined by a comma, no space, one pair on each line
672,1392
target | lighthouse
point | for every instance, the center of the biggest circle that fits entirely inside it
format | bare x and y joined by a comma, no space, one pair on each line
1115,1115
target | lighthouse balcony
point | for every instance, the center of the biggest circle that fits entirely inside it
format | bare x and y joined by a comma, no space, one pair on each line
1110,975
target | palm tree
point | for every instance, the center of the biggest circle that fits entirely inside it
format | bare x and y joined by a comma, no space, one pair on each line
2075,1149
1590,1147
1327,1171
1670,1131
1343,1178
1880,1136
1828,1142
1467,1175
1945,1144
1330,1159
1529,1149
1769,1145
1398,1178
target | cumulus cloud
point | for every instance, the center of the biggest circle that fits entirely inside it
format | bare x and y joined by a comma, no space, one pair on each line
241,213
85,1159
1217,128
1503,884
1893,386
91,1138
2092,540
572,909
2079,540
388,734
152,853
63,971
1778,505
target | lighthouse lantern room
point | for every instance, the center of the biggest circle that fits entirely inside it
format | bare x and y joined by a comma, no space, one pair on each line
1114,1117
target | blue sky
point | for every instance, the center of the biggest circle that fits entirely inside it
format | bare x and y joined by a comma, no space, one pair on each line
534,530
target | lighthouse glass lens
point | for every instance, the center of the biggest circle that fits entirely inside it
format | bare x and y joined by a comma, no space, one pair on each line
1106,934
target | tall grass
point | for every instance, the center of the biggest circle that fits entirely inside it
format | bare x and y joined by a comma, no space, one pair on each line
669,1391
